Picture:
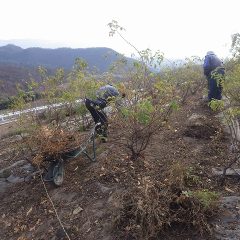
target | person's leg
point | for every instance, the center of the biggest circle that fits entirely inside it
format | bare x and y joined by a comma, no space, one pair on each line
96,109
218,92
104,123
103,118
91,106
100,105
210,88
214,90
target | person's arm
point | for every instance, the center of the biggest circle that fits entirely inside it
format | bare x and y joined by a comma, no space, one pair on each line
206,66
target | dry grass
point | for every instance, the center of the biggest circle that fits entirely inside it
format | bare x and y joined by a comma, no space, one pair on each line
51,143
151,208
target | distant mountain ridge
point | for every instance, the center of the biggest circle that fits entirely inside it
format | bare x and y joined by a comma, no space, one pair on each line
19,65
28,43
99,57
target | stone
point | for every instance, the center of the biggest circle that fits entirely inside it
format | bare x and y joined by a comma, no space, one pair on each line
196,120
227,225
14,179
229,172
3,186
5,173
77,210
28,168
18,163
86,226
103,188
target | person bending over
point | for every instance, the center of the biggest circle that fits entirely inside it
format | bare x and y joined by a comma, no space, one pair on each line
104,95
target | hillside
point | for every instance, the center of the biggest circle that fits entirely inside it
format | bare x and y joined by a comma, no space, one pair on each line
88,202
11,75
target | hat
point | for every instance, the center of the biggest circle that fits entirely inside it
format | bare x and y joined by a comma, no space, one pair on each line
210,53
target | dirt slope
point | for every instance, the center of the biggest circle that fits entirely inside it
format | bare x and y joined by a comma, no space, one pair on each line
87,200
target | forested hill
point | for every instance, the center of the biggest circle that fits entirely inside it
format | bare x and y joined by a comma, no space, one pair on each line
100,58
18,65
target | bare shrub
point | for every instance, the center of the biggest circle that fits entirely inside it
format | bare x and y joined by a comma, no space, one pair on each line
149,100
187,78
154,208
139,121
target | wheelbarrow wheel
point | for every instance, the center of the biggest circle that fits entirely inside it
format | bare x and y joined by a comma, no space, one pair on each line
58,173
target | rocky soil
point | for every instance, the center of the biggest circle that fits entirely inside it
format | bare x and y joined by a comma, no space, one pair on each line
87,199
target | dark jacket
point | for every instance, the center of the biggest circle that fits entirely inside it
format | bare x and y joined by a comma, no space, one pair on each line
107,92
211,62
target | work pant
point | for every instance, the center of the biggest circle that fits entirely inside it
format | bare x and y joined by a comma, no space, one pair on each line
95,107
214,85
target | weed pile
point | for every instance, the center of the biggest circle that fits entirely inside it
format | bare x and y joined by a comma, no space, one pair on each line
48,144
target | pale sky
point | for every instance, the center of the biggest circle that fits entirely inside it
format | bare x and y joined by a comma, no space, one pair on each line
179,28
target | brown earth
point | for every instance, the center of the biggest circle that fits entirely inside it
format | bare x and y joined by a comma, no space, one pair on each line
87,200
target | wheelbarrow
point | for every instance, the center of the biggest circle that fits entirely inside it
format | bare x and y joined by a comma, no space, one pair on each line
55,170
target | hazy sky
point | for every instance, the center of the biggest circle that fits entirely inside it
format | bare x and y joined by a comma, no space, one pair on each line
178,28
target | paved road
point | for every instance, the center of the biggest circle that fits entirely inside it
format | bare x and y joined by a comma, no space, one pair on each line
12,116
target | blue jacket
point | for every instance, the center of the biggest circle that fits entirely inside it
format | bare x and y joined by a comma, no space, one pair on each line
211,62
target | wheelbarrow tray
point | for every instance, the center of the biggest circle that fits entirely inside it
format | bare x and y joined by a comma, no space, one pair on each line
55,171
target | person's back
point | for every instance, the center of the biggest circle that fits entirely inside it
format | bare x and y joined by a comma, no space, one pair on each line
211,62
213,66
107,91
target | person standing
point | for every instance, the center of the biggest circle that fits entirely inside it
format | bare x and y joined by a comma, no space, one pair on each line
214,72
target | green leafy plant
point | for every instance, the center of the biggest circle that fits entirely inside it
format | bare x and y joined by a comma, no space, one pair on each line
147,103
207,198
